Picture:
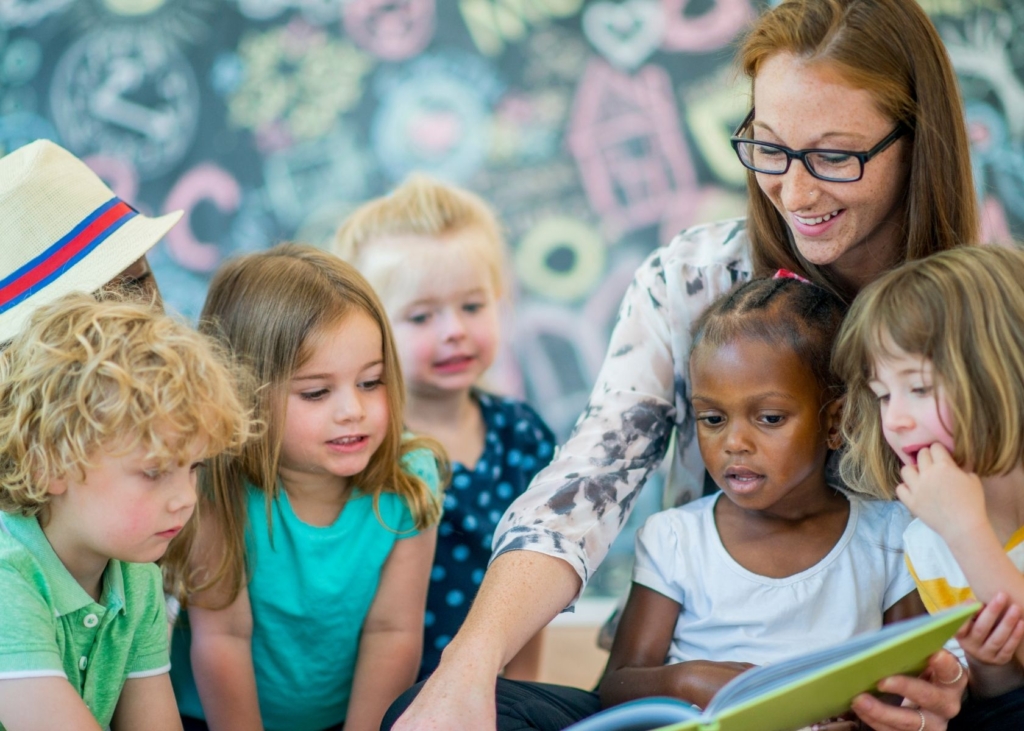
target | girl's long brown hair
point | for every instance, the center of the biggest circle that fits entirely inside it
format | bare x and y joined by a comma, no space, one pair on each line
891,49
266,307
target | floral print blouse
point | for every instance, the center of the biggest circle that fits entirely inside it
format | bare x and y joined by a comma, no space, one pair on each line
577,505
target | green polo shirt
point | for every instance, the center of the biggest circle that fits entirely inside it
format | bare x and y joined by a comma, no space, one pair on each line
52,627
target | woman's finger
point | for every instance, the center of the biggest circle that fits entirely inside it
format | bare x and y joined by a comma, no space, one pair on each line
883,717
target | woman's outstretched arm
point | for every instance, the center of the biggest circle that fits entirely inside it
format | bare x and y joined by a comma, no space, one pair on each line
521,592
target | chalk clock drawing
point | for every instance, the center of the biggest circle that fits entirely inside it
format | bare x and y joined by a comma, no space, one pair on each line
128,94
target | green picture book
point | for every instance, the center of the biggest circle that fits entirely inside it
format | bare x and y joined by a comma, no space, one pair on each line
803,690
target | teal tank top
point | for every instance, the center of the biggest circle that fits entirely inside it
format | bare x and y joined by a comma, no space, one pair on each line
310,592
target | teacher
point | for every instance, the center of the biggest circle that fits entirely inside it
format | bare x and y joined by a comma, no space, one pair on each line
859,160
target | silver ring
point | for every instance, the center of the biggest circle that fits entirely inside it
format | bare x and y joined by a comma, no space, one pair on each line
959,674
923,720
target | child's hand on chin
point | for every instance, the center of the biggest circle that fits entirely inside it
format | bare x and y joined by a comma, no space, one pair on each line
947,499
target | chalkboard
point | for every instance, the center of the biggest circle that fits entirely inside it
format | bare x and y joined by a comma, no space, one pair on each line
597,129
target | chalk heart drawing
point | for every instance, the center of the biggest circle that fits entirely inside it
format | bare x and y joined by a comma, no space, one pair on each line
626,34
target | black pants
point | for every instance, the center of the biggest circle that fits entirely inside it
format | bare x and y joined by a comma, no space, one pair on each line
1002,713
522,706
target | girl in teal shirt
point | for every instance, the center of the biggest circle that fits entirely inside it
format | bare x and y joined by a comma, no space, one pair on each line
307,582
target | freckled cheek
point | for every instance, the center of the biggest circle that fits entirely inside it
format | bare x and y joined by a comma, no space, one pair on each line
771,186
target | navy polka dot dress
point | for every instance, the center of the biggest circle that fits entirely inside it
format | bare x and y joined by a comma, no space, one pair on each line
517,446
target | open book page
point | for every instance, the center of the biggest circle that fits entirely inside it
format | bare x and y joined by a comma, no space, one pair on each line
803,690
798,692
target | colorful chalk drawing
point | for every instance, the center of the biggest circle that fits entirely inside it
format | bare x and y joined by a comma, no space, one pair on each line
495,23
553,55
119,175
626,34
561,348
129,94
708,203
173,21
314,11
526,195
713,111
392,30
298,81
314,174
15,13
627,141
561,259
981,51
20,128
527,127
958,8
20,59
435,117
707,31
204,182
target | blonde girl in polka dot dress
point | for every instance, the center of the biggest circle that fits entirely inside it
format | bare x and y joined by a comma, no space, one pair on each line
434,254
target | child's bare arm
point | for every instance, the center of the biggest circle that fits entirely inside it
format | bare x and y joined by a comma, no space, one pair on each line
43,704
221,651
636,667
951,502
907,607
222,665
391,644
147,703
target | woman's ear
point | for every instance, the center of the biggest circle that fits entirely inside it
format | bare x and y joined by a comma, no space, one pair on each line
833,422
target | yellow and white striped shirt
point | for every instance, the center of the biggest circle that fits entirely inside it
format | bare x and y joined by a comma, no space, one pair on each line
939,579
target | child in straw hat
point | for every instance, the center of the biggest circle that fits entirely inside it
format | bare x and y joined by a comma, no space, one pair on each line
65,231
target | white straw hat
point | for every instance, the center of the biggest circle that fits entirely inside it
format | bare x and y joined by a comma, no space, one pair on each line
62,230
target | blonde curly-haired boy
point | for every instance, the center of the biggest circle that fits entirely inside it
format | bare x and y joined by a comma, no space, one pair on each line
107,410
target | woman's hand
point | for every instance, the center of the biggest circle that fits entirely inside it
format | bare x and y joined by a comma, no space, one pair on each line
457,697
937,693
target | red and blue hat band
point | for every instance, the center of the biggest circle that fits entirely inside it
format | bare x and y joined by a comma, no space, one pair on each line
92,231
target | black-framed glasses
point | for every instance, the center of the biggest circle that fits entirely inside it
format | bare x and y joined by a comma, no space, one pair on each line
835,166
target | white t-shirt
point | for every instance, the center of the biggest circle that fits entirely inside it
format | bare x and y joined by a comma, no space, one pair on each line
732,614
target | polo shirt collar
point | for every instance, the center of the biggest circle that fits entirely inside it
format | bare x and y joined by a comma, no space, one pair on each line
67,594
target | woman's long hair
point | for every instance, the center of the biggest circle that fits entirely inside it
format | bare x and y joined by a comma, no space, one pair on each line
891,49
